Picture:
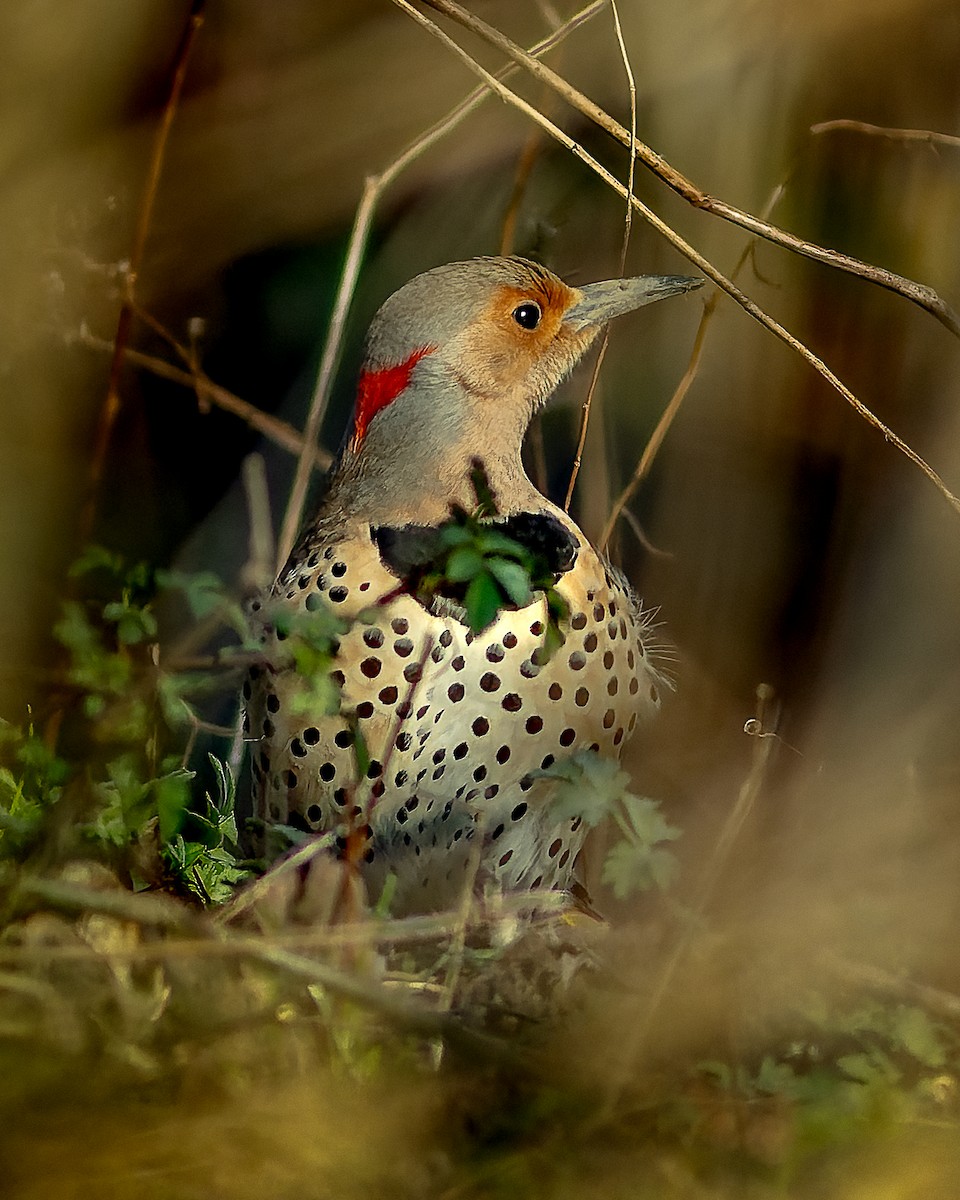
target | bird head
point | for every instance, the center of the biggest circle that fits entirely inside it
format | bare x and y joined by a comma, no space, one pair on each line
456,363
490,336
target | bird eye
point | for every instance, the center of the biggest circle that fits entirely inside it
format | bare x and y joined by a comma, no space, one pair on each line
527,316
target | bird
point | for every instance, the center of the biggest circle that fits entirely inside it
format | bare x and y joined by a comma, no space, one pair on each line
431,769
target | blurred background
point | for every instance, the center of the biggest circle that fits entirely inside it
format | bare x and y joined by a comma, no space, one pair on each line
787,544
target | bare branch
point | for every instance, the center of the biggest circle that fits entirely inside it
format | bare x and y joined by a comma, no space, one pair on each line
918,293
683,246
279,432
627,226
926,136
111,404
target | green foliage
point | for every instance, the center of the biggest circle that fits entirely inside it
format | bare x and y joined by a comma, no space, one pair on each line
126,802
861,1069
310,641
207,865
594,789
129,720
471,561
31,781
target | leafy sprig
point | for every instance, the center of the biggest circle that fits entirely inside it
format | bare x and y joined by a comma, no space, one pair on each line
478,563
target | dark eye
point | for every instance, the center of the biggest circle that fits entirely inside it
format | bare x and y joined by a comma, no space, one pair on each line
527,316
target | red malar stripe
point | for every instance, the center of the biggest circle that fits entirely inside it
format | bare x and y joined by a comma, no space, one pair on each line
376,389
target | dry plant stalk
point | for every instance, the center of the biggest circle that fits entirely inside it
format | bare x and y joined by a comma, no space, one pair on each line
281,433
656,439
765,740
924,136
111,405
917,292
625,245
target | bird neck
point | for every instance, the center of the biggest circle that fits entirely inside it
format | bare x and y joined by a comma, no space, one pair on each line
409,471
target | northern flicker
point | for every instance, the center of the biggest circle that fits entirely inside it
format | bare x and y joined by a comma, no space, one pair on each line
460,728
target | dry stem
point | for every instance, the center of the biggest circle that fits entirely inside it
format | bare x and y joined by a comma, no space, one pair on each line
926,136
918,293
625,245
111,405
757,226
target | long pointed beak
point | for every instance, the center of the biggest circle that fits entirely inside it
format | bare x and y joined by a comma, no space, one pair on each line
601,302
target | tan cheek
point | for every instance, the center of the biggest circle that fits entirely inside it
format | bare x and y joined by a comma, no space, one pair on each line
493,361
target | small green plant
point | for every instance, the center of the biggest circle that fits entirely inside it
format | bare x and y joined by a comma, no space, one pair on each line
479,563
31,782
594,789
310,641
208,864
118,731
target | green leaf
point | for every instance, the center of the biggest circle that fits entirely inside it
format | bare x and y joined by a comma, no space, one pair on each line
512,577
482,602
873,1067
172,797
629,868
492,541
94,558
204,591
454,534
919,1036
463,564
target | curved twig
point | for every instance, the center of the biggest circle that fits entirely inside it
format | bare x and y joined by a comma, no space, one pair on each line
926,297
681,245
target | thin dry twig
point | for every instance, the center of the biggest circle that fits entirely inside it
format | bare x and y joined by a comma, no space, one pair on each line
257,572
111,405
217,942
669,414
925,136
744,805
374,187
279,432
625,245
918,293
655,441
744,301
